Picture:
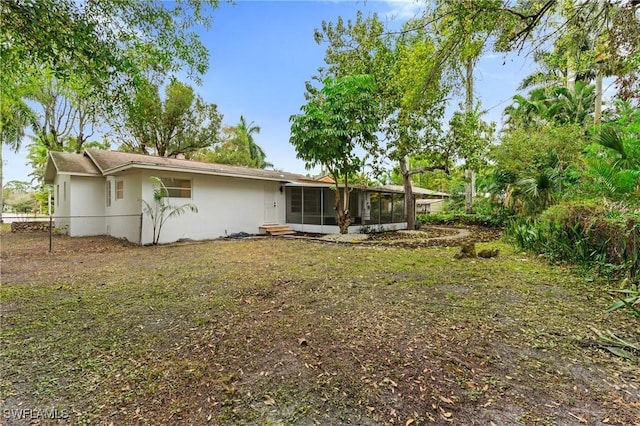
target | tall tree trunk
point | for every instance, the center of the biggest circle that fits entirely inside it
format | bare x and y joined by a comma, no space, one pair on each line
342,210
468,104
468,194
571,72
1,183
597,112
409,203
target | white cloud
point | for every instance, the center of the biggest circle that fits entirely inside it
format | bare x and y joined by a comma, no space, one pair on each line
405,9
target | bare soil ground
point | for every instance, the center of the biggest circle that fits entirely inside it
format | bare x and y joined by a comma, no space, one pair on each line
288,331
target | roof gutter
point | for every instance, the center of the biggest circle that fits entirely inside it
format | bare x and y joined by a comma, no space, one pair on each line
182,169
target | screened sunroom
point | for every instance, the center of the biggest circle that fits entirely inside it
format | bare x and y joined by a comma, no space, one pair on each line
311,208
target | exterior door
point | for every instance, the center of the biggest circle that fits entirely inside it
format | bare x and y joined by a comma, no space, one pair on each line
270,204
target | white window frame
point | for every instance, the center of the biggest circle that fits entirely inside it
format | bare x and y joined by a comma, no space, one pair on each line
108,193
119,191
173,190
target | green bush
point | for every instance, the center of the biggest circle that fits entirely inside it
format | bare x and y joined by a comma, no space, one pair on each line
456,218
605,237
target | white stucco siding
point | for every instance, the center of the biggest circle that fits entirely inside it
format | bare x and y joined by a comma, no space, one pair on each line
86,205
62,204
225,206
123,216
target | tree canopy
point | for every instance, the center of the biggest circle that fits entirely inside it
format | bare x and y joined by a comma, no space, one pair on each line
181,123
343,116
107,44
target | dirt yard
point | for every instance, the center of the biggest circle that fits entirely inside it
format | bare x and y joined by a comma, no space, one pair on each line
281,331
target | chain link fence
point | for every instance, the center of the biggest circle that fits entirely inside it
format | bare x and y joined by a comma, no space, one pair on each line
125,226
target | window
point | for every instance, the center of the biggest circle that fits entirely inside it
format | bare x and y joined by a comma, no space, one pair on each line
177,188
398,208
64,191
58,195
108,193
119,190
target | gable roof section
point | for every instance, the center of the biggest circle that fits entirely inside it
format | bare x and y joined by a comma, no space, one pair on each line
111,162
69,163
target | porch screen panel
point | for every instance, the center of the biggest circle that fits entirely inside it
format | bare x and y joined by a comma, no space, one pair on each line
374,199
354,207
312,206
329,207
294,205
398,208
386,208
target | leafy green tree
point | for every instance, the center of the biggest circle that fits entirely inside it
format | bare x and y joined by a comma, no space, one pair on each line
182,123
552,105
19,196
15,117
159,211
613,163
535,166
409,77
572,106
256,153
465,31
108,44
333,124
414,106
237,147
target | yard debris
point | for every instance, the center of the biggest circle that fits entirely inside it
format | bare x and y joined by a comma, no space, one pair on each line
239,235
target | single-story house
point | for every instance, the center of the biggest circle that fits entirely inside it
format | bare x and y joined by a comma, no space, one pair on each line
101,192
429,205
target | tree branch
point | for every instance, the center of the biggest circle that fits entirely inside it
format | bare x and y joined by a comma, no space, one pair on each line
425,169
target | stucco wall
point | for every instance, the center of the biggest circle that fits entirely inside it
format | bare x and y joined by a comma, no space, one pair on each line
62,204
86,206
123,216
225,206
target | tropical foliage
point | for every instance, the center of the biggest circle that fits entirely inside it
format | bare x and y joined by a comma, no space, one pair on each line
237,147
160,210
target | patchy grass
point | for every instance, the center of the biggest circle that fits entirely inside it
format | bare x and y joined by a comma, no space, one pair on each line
278,331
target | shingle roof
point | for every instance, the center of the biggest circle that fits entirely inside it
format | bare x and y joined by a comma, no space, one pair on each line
69,163
112,161
416,190
97,162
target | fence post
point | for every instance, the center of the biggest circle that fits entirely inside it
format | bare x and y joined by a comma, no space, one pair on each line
140,239
50,230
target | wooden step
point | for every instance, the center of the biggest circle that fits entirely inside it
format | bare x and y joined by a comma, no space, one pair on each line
276,230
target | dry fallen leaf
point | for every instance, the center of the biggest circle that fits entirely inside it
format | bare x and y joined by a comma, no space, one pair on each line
446,400
269,401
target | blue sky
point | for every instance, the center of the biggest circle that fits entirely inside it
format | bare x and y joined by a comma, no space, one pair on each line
262,52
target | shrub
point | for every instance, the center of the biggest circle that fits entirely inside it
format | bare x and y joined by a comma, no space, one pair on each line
586,233
456,218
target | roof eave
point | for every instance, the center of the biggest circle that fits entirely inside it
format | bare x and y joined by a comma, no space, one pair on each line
182,169
50,170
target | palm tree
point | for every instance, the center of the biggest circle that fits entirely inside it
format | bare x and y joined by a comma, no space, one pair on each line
256,153
161,211
15,116
529,111
572,106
